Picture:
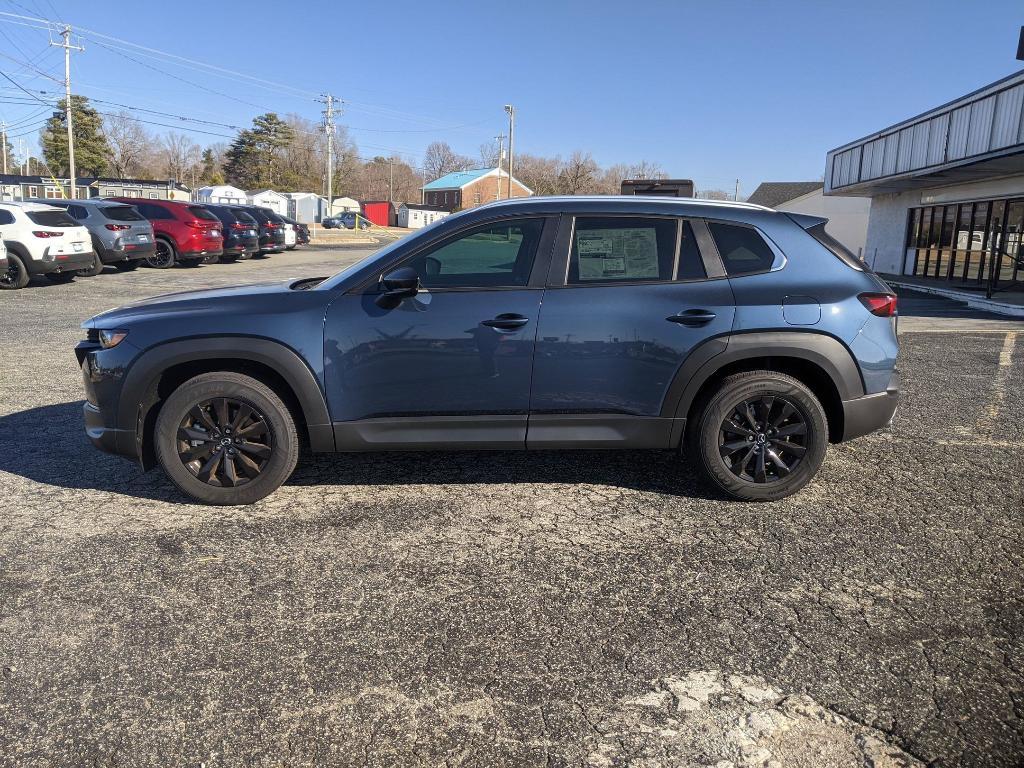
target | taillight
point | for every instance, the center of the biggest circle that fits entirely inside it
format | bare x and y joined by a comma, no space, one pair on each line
879,304
117,227
198,224
239,225
271,225
45,233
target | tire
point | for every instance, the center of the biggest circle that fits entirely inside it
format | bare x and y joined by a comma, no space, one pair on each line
195,405
61,277
719,433
97,264
16,275
164,256
126,266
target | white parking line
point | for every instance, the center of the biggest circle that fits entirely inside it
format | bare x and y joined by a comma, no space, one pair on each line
987,421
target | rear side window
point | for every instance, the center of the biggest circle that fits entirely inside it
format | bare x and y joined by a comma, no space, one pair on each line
742,249
6,217
121,213
201,213
51,219
77,212
839,250
608,249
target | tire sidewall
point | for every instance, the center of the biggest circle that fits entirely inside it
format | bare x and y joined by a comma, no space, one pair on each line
719,407
22,277
284,440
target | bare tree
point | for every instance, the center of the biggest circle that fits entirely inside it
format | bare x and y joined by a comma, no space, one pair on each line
180,156
579,174
130,145
540,174
490,154
441,159
645,170
713,194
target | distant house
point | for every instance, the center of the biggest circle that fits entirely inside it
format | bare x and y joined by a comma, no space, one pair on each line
380,212
18,187
268,198
847,216
343,205
459,190
412,216
221,193
306,207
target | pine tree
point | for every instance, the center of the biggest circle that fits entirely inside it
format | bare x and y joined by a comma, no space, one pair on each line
91,148
251,160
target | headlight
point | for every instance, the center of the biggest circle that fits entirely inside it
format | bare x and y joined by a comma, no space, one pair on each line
110,339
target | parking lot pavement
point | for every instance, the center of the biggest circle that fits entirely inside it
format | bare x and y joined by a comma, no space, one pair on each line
579,608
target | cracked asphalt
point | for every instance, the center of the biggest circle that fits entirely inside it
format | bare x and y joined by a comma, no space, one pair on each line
559,609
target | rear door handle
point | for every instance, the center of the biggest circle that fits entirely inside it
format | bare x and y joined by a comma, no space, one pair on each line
507,321
692,317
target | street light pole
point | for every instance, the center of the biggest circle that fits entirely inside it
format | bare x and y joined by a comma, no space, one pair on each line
511,144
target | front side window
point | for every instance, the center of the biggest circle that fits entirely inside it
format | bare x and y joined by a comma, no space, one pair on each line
492,256
742,249
622,249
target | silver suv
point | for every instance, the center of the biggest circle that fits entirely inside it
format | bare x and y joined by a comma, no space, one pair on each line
121,236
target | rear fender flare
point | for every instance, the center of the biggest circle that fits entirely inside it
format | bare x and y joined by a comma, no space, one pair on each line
827,352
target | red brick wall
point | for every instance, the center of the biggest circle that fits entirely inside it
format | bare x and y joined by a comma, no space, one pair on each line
486,190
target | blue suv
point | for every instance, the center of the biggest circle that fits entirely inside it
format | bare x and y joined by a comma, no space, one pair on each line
745,337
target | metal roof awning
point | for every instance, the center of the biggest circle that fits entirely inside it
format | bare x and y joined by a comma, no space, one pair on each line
978,136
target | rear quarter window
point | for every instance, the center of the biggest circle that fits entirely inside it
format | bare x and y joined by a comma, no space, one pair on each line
51,219
838,250
742,249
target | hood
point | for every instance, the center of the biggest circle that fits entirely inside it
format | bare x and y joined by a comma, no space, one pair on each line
212,300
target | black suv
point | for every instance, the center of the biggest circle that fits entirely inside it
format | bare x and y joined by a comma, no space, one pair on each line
272,229
241,231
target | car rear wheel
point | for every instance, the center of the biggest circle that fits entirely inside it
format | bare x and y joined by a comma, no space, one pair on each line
16,276
163,257
760,436
226,438
97,264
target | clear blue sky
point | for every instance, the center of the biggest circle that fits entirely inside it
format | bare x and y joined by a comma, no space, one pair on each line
712,91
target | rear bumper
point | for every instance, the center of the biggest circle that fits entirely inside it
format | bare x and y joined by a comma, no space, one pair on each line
67,263
870,413
127,253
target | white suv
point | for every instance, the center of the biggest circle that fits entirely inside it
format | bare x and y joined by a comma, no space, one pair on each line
42,240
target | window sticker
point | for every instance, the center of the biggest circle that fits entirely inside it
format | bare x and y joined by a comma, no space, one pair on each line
624,254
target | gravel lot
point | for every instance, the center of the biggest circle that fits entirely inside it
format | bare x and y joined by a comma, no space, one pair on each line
513,609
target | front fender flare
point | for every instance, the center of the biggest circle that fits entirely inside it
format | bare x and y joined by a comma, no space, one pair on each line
138,393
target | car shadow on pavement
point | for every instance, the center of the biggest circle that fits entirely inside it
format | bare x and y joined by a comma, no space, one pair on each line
48,445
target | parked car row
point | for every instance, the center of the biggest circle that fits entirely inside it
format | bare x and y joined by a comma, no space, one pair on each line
64,238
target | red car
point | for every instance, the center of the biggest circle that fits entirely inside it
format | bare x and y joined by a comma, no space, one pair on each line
185,233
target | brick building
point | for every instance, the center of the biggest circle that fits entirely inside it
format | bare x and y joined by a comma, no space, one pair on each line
459,190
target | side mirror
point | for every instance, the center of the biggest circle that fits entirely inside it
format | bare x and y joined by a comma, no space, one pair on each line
402,283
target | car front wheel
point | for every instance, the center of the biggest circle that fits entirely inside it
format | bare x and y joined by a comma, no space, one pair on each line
226,438
760,436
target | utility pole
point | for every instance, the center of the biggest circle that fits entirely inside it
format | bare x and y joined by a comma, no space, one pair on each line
3,127
23,154
68,47
329,130
391,179
736,195
500,138
511,144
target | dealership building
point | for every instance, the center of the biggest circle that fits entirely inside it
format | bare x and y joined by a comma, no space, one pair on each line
946,190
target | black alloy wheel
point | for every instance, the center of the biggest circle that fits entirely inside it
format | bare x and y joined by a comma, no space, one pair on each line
763,439
224,442
163,256
15,276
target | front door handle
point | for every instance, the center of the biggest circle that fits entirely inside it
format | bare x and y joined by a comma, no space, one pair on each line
507,321
692,317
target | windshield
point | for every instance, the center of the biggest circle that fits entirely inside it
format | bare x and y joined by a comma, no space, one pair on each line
51,218
121,213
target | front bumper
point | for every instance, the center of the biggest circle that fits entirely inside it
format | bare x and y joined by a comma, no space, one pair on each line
102,374
869,413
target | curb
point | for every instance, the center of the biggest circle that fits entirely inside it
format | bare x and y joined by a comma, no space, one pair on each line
971,300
